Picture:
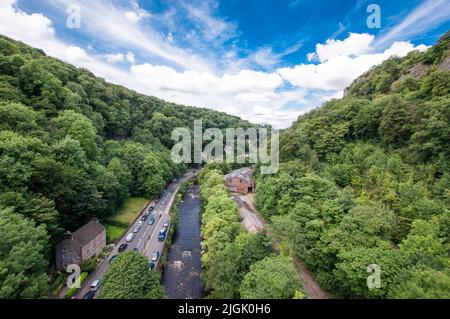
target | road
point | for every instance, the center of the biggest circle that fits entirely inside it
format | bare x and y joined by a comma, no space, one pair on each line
146,239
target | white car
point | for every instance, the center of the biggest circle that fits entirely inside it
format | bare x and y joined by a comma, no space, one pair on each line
130,237
140,223
95,285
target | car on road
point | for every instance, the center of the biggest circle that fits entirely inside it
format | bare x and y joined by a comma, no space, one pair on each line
151,266
157,200
144,217
136,229
155,256
166,222
130,237
135,249
95,285
172,190
112,259
140,223
151,220
89,295
122,248
163,202
162,234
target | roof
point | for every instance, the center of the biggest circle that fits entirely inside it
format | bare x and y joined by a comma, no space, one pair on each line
244,173
88,232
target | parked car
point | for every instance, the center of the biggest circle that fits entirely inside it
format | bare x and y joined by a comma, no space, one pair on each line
151,207
89,295
151,220
95,285
163,202
157,200
135,249
155,256
151,266
130,237
122,248
112,259
144,218
136,229
140,223
172,190
166,222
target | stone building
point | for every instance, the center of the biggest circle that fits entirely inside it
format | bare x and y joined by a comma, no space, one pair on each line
240,181
86,242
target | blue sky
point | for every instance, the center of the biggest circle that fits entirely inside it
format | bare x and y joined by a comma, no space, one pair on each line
266,61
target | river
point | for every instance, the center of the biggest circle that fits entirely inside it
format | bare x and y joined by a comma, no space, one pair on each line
182,275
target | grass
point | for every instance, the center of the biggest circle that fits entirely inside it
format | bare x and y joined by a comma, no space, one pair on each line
117,225
113,233
130,209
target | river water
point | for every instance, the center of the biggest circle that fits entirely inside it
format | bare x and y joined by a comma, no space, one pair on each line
181,276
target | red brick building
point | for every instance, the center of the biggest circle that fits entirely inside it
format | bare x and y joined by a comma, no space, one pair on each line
240,181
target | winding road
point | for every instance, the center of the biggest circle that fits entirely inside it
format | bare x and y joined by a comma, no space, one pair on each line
146,239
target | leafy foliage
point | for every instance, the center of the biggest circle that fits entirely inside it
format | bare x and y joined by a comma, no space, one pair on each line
365,180
129,277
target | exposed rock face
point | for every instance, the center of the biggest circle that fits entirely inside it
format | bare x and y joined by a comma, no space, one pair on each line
445,65
419,70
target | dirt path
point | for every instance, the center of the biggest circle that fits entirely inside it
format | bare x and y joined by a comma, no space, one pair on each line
312,288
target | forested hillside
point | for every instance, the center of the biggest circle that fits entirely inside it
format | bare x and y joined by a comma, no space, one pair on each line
366,180
73,147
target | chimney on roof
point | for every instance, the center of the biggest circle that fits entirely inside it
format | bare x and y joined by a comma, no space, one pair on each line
68,235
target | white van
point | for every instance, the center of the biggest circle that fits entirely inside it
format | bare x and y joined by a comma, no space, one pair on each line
95,285
130,237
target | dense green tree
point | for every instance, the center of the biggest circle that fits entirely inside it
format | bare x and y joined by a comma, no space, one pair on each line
130,277
271,278
22,257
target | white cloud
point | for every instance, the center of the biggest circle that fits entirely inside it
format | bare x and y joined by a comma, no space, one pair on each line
107,20
342,62
114,58
130,57
426,16
30,28
355,44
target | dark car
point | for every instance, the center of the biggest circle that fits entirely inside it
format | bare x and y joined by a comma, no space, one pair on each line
161,236
112,259
151,208
151,266
135,249
89,295
157,200
123,247
172,190
144,218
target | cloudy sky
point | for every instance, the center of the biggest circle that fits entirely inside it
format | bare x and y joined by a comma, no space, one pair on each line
267,61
